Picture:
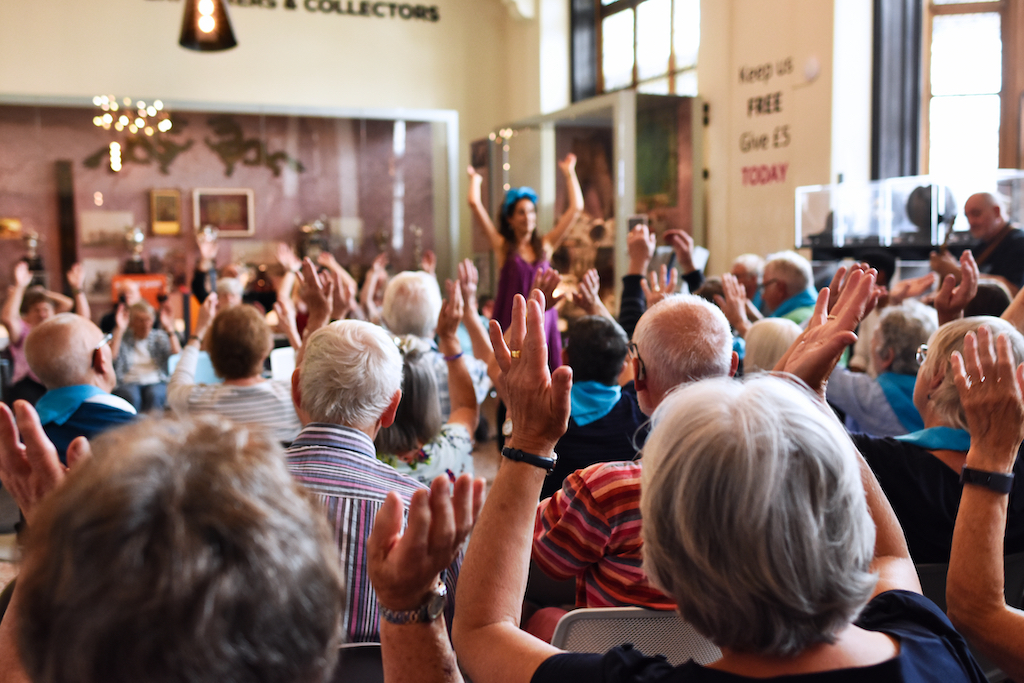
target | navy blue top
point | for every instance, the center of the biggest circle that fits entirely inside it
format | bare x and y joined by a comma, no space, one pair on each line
91,419
931,651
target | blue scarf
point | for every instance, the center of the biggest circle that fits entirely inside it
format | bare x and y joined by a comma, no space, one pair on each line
592,400
899,392
58,405
808,297
939,438
757,301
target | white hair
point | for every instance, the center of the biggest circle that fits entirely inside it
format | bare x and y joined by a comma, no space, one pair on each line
680,339
60,350
412,302
792,269
903,329
767,341
349,374
229,285
754,515
752,263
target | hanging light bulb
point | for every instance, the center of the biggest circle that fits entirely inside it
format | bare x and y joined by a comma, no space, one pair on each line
205,26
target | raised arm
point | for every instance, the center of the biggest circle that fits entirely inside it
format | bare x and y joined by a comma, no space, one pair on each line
486,633
469,280
76,281
316,290
588,296
464,408
953,297
572,185
120,325
377,276
476,207
167,323
10,315
990,391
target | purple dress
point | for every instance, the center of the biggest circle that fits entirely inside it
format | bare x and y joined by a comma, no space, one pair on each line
516,277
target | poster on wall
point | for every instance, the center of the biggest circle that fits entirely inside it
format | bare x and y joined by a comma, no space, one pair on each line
230,210
101,228
165,212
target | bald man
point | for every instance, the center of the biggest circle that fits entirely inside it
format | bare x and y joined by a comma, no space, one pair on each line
998,247
72,358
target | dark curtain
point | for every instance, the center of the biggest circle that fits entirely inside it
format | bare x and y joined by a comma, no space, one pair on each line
584,48
896,89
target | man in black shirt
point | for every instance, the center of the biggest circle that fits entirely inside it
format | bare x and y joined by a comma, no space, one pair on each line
998,246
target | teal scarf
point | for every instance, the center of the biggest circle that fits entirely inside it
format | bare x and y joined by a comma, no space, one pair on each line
806,298
592,400
57,405
939,438
899,392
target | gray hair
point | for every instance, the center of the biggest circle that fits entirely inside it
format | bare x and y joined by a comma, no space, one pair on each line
683,338
350,372
767,341
792,269
142,307
945,399
412,302
229,285
60,350
755,519
752,263
903,328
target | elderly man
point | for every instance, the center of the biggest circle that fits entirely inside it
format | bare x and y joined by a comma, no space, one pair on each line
748,270
73,360
412,302
591,528
345,390
998,246
787,290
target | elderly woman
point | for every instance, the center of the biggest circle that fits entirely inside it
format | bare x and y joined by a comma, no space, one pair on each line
417,444
884,406
140,355
767,341
760,520
239,341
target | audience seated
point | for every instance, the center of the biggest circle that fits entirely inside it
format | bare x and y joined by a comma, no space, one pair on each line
140,355
590,529
412,302
74,361
767,340
772,554
884,406
239,341
346,388
606,421
418,444
787,289
992,299
748,269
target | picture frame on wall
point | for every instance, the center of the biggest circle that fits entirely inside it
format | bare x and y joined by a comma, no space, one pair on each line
165,212
230,210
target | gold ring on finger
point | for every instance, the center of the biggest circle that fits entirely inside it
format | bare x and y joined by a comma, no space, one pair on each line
516,353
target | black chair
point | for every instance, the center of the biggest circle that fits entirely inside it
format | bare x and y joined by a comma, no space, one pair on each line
359,663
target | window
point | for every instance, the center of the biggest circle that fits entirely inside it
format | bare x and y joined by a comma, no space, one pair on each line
650,45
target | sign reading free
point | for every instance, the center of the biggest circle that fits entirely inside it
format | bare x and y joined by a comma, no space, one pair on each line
356,8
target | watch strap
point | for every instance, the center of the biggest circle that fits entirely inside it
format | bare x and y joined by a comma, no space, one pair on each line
530,459
430,610
994,481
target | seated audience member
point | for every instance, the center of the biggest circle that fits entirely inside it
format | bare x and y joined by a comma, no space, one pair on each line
25,307
990,393
787,290
767,341
412,302
590,529
999,244
748,269
606,420
140,355
418,444
185,551
128,295
862,360
346,388
762,524
992,299
229,293
884,406
75,363
239,341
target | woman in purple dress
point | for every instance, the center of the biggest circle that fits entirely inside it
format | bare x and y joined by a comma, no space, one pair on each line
520,250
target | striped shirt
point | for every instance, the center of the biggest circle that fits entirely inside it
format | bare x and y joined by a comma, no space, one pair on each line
266,404
591,530
339,466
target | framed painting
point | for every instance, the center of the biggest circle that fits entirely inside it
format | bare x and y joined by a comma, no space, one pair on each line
165,212
230,210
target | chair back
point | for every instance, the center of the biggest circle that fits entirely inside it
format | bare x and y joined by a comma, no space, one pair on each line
651,632
282,363
204,369
359,663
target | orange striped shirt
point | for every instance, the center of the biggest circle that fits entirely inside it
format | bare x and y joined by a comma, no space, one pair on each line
591,530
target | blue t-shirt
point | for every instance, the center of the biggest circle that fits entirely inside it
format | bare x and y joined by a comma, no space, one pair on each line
90,419
931,651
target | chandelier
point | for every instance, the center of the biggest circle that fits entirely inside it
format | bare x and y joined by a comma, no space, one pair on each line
138,117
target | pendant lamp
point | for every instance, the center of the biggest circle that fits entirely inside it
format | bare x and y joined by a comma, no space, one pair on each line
206,27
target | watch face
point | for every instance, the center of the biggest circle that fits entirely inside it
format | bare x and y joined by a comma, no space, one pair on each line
435,606
506,427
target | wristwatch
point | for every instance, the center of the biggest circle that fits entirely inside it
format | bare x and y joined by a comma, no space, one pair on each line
994,481
425,613
531,459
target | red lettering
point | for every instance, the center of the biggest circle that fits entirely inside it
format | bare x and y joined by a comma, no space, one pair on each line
764,174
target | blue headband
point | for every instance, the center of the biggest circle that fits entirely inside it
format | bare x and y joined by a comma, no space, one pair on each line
513,196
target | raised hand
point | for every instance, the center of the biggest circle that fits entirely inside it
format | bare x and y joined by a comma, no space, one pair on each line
587,292
451,312
943,263
734,304
207,312
682,244
659,285
404,566
952,298
22,275
537,400
469,281
76,277
640,245
286,257
428,264
547,281
121,316
316,290
568,164
911,289
207,250
990,392
167,317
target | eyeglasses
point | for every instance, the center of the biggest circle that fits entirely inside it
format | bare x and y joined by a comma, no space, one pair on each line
641,372
764,284
922,354
103,342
